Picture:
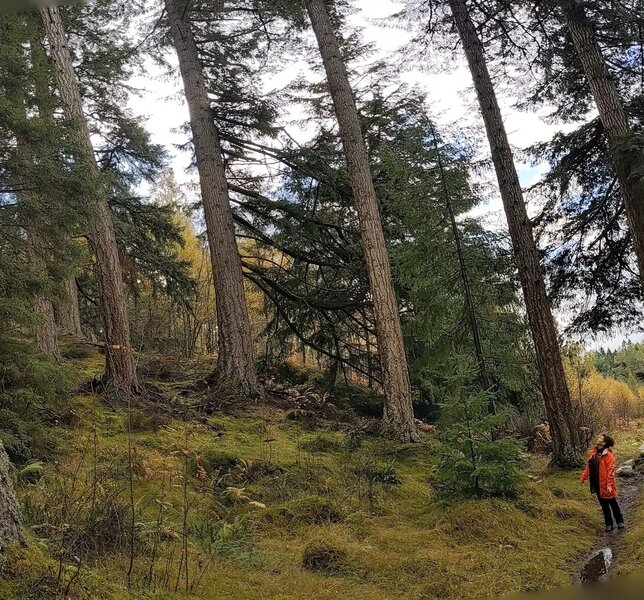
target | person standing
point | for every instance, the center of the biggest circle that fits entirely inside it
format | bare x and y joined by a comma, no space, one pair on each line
600,470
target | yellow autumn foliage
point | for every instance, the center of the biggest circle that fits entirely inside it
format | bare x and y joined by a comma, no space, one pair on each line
601,402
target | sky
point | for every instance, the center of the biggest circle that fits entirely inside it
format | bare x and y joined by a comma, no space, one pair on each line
451,102
451,99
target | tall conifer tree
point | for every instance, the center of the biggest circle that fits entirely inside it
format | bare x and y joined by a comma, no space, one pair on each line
398,414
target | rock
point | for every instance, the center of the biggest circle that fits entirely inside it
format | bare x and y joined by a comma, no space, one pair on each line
638,462
628,463
625,471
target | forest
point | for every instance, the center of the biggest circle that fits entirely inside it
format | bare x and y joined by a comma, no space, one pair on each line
321,298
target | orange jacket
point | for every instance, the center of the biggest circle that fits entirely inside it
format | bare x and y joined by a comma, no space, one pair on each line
607,483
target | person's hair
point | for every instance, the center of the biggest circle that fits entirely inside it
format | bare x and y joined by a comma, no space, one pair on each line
609,442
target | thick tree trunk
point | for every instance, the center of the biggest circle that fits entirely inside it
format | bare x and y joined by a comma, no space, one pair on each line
67,311
629,164
10,520
235,370
556,396
398,414
45,327
120,367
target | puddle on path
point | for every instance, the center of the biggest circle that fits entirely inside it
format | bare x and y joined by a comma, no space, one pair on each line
596,568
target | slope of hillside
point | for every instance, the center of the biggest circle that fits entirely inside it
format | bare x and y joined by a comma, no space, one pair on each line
276,502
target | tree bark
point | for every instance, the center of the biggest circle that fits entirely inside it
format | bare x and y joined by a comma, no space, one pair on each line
67,310
235,371
398,412
628,164
10,519
120,367
565,435
45,328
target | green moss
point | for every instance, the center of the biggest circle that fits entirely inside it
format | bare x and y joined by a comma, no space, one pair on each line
393,540
322,443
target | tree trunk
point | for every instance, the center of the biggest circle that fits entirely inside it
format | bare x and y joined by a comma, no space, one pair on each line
120,367
67,311
398,413
235,370
45,329
45,325
556,396
10,520
628,163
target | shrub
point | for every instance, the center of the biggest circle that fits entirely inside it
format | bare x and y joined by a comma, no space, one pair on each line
79,351
322,556
33,393
224,538
216,461
374,472
289,372
307,419
474,461
106,529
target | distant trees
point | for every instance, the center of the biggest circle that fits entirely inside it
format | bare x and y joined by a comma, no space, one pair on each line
602,400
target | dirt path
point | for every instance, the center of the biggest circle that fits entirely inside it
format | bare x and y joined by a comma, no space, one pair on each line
606,550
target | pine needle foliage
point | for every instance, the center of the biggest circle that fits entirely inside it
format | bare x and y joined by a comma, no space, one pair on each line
476,458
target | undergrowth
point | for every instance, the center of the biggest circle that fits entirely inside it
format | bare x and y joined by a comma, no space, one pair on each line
252,505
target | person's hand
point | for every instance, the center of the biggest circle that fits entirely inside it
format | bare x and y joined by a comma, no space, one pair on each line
610,489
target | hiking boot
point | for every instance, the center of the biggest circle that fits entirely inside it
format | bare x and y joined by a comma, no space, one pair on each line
621,526
609,528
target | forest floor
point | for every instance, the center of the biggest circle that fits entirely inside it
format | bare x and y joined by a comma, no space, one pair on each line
286,499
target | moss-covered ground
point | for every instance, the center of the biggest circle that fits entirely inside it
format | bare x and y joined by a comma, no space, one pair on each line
251,504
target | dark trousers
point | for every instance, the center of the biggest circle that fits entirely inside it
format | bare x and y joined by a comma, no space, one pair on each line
611,509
